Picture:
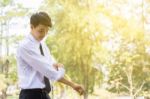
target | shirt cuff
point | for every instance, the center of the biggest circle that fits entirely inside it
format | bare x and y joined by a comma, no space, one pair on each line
60,74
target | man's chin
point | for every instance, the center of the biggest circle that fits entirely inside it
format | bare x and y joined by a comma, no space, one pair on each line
41,38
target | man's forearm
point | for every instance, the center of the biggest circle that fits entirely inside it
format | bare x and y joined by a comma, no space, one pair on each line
67,82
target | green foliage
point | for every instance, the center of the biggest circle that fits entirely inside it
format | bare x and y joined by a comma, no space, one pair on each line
88,34
5,2
73,41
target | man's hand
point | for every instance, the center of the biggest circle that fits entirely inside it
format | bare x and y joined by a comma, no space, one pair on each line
58,65
75,86
79,89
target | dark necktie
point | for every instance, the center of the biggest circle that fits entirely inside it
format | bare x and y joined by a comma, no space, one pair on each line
46,80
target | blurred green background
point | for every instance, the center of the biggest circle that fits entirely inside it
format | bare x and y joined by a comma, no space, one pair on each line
104,45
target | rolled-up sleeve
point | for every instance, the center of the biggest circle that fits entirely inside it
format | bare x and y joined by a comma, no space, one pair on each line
40,63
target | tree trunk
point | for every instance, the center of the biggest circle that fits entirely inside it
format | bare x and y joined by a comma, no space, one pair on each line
4,95
86,95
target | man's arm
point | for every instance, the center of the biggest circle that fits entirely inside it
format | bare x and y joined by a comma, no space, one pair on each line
65,81
75,86
39,63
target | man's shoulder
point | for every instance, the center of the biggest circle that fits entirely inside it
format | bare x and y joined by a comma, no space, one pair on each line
22,44
25,43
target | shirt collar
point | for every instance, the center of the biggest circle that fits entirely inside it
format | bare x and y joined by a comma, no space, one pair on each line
31,37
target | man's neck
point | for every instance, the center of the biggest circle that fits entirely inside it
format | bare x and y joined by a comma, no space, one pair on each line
39,40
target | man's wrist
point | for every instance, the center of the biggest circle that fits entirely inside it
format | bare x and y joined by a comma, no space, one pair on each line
67,82
72,84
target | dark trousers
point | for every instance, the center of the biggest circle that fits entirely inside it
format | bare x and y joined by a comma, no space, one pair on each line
33,94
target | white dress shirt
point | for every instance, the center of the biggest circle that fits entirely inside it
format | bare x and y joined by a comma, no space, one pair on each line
32,66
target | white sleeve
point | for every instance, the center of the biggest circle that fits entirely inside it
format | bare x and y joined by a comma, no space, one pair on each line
40,63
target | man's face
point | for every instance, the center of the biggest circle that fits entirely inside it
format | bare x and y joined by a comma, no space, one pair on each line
40,31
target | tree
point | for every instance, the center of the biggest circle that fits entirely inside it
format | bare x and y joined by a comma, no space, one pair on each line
9,10
129,62
102,34
74,39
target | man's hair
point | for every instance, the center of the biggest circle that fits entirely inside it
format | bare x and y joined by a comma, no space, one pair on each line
40,18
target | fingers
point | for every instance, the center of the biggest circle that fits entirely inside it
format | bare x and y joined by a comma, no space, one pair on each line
55,66
80,90
58,65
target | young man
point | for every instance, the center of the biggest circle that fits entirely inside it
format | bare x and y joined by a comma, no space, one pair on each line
35,64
